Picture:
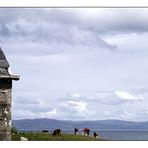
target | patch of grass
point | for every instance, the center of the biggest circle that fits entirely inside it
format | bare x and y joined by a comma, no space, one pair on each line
38,136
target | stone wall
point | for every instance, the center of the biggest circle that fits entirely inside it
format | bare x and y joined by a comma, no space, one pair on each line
5,109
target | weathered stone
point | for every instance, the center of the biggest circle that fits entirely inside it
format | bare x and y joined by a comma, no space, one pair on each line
5,98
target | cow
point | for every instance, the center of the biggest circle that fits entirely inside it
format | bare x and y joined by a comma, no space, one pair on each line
86,131
96,135
56,132
76,131
45,131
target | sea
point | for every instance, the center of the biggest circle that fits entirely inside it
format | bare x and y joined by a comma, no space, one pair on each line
121,135
112,135
124,135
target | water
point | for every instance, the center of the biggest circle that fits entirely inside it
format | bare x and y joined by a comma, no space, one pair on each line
121,135
125,135
114,135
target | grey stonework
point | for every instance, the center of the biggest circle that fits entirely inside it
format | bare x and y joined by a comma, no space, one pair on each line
5,109
5,98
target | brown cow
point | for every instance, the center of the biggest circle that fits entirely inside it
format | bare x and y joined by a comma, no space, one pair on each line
86,131
57,132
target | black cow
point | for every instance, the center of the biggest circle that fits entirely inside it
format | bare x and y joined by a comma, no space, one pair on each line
45,131
95,134
76,131
56,132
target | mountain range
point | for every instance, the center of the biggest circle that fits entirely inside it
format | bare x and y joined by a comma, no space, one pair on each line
102,125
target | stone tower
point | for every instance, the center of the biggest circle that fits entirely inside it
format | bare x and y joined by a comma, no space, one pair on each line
5,97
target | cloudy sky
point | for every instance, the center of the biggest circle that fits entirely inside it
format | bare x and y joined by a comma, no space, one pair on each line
77,64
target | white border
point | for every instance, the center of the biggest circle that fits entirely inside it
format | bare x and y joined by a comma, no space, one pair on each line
73,3
66,144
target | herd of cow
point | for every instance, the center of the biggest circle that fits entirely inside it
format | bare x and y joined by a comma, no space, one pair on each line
85,132
57,133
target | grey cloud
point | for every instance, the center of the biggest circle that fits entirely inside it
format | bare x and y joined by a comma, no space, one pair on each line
53,38
54,15
105,21
40,27
32,105
4,31
121,21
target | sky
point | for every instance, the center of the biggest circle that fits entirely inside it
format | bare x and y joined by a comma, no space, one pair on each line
77,63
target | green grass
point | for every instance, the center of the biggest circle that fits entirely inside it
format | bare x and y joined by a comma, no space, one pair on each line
37,136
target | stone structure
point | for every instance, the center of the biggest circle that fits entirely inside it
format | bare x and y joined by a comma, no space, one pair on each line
5,97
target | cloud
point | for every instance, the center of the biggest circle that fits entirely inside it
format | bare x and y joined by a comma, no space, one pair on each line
103,21
4,31
120,21
21,114
24,107
105,97
68,50
118,97
45,30
44,33
76,110
77,106
32,105
52,38
129,97
127,114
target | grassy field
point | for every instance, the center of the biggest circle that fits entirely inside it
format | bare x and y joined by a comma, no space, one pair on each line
38,136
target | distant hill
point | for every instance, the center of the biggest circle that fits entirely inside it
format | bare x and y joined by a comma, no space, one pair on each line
102,125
